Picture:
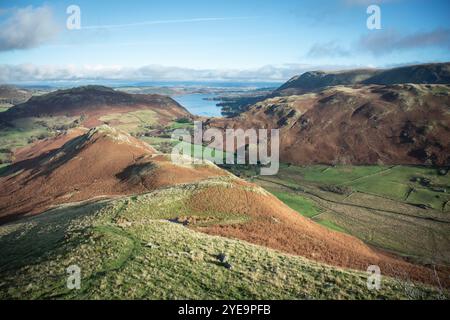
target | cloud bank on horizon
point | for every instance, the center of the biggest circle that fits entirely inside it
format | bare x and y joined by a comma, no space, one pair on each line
35,73
224,40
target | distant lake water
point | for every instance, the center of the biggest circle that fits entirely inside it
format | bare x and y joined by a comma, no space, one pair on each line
197,105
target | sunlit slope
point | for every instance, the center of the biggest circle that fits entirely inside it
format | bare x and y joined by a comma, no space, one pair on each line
126,253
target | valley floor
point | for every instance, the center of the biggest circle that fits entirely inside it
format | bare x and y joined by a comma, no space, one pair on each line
401,209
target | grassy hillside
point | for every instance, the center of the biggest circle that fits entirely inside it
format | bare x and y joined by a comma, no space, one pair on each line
134,248
134,122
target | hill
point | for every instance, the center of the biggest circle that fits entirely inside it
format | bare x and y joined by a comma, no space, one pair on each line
11,95
47,115
315,80
79,165
93,102
365,124
435,73
144,255
82,185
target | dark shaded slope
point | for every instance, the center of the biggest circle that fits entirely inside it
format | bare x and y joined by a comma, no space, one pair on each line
92,101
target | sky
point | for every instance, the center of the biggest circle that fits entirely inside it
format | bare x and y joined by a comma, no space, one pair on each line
227,40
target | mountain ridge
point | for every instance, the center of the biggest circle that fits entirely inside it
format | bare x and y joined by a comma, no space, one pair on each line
367,124
430,73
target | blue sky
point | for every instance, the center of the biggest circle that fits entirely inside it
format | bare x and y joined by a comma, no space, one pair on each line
248,39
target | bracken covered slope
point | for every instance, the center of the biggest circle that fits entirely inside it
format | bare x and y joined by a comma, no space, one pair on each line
376,124
109,163
81,165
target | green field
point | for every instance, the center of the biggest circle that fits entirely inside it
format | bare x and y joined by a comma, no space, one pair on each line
4,107
392,182
24,131
330,225
182,123
300,204
135,122
330,175
403,209
165,145
128,248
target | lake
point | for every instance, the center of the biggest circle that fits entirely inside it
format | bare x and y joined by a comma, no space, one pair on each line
196,104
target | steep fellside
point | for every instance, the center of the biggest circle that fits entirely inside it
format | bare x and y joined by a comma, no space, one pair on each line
395,124
101,162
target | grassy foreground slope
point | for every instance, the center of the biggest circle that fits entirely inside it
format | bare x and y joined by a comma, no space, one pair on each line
136,248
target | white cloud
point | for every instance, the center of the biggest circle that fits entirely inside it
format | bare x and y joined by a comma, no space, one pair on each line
383,42
387,41
328,49
27,28
155,22
30,72
366,2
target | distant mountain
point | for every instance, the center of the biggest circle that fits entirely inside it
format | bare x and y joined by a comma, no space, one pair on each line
435,73
314,80
93,102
